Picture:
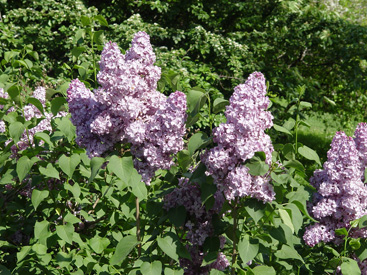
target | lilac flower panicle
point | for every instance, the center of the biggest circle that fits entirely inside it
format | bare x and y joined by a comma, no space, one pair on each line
128,108
30,111
341,194
198,225
2,123
239,139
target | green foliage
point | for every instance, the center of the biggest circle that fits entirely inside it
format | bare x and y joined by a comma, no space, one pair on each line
63,213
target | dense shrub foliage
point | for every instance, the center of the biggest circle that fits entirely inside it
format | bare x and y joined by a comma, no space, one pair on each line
164,137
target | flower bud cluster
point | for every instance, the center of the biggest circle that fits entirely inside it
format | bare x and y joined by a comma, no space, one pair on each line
128,108
198,225
341,194
239,139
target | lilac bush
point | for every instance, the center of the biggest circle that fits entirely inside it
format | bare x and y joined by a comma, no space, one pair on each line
127,108
239,139
341,194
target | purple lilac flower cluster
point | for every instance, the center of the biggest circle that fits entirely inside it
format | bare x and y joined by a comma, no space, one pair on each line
2,123
239,139
198,225
341,194
128,108
30,111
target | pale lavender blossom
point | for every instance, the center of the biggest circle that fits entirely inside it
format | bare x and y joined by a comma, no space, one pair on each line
341,195
2,123
127,108
30,111
239,139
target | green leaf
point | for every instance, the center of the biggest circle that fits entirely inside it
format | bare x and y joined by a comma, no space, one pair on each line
310,154
361,253
216,272
5,271
295,164
184,159
63,88
37,103
29,63
168,246
50,171
207,190
350,267
289,124
24,165
341,232
68,164
99,244
168,271
45,137
38,196
34,55
41,230
65,232
302,207
63,259
39,249
287,252
328,100
289,151
263,270
154,268
79,36
197,141
67,128
101,20
255,209
16,129
95,165
257,167
196,99
98,37
56,104
248,249
14,92
297,218
282,129
70,218
123,249
362,223
138,188
85,20
76,51
177,215
219,104
305,104
23,253
355,244
286,219
304,123
121,167
74,189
